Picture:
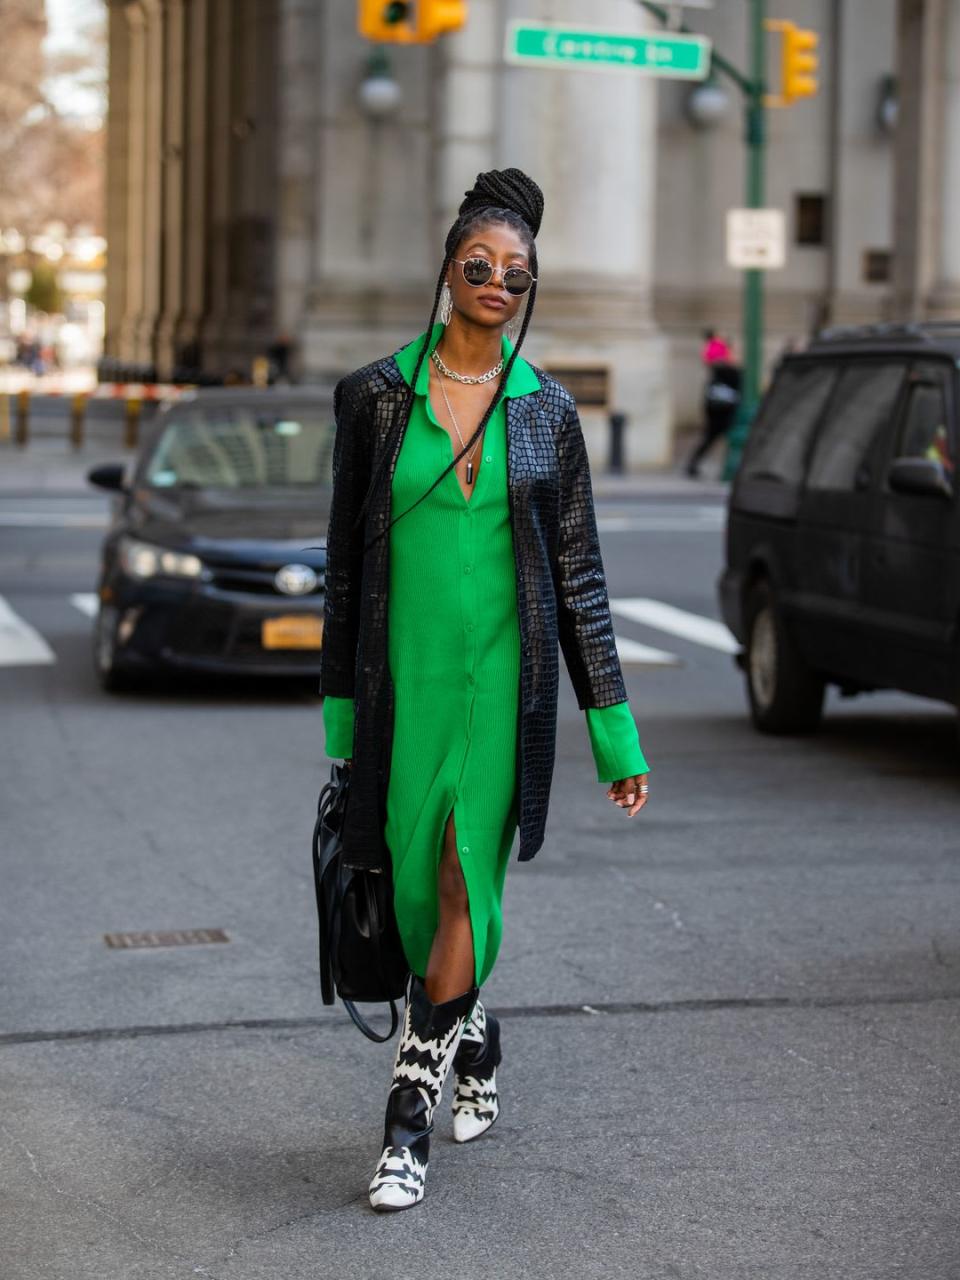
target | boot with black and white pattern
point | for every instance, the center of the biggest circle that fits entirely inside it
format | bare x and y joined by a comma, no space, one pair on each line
475,1101
428,1041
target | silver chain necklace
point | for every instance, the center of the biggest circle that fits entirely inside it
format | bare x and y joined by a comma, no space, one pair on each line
456,428
465,377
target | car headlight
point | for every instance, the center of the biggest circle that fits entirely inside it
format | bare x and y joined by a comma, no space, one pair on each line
144,560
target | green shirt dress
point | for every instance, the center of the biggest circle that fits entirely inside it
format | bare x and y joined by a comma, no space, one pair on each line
454,655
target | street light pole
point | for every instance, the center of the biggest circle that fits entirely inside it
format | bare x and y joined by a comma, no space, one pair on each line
755,138
753,87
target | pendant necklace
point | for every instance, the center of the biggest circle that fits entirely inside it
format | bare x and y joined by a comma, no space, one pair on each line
456,428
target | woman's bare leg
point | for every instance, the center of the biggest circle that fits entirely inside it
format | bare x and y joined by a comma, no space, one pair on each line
450,968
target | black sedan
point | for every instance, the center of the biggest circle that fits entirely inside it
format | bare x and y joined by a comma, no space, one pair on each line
214,561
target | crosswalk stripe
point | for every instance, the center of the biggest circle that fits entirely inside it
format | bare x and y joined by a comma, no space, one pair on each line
678,622
644,654
657,524
54,519
20,644
86,601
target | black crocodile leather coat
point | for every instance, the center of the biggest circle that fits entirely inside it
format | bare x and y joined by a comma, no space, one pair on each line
561,591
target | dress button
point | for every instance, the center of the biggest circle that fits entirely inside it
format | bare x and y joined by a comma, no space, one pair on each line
469,626
465,849
468,568
488,458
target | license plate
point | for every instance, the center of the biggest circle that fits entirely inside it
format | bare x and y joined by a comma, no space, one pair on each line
292,631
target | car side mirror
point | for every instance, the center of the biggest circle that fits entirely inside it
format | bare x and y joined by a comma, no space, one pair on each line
108,476
919,476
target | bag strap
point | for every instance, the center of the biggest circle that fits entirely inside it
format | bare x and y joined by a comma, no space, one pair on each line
358,1018
365,1027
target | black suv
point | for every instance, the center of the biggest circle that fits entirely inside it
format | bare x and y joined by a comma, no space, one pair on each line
843,531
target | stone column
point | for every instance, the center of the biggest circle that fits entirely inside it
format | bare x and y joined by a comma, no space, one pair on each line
374,254
118,147
945,300
172,159
917,155
467,110
152,176
220,141
243,188
134,244
196,159
589,139
298,160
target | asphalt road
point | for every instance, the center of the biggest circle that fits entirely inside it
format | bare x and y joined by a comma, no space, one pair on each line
730,1023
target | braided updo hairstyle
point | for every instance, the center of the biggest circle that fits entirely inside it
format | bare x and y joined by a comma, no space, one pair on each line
507,196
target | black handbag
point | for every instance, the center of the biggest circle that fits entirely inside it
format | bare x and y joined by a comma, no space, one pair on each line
361,956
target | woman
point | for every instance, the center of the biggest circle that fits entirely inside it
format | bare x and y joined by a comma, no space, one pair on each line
461,550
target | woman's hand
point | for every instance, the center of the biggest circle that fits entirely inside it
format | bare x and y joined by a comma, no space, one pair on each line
630,792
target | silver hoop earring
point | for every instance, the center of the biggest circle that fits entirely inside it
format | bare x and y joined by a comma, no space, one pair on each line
446,304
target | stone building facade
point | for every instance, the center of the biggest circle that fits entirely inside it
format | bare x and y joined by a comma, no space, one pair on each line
251,197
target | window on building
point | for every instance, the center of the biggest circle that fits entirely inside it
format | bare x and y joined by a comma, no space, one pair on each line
876,266
810,219
780,437
863,405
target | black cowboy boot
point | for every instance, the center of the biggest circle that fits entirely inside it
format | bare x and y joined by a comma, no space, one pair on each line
428,1040
475,1101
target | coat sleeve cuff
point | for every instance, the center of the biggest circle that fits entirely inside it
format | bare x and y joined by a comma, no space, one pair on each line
615,742
338,727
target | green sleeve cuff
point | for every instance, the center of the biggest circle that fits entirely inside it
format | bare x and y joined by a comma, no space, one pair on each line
338,727
615,742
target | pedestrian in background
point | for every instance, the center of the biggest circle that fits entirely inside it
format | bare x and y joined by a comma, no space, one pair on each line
462,555
721,399
714,348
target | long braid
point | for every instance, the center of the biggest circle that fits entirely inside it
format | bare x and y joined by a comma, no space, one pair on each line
507,195
408,403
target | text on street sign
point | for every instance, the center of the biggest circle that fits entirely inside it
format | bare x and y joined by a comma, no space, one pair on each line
756,239
677,57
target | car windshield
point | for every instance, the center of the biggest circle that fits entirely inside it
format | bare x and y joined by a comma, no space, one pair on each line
243,447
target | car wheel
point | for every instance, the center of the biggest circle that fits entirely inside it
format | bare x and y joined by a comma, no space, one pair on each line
785,696
112,675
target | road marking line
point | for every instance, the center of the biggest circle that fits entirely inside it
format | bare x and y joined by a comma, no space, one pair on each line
53,519
87,602
654,524
678,622
20,644
644,654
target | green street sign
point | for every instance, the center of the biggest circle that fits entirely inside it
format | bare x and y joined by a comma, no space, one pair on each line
677,57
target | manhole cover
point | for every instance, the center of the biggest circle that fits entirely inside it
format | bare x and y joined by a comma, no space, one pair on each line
171,938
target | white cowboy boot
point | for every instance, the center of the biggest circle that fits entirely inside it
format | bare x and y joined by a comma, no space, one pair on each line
428,1040
475,1101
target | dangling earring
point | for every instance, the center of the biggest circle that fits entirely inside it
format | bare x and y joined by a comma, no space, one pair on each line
513,327
446,304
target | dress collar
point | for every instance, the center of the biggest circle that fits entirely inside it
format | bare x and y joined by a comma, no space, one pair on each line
521,381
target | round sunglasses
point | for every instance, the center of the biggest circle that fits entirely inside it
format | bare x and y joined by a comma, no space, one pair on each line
478,272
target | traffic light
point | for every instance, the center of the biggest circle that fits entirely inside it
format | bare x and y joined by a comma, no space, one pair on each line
437,17
409,21
798,62
390,21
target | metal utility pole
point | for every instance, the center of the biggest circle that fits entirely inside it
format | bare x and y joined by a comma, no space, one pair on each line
797,80
755,139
